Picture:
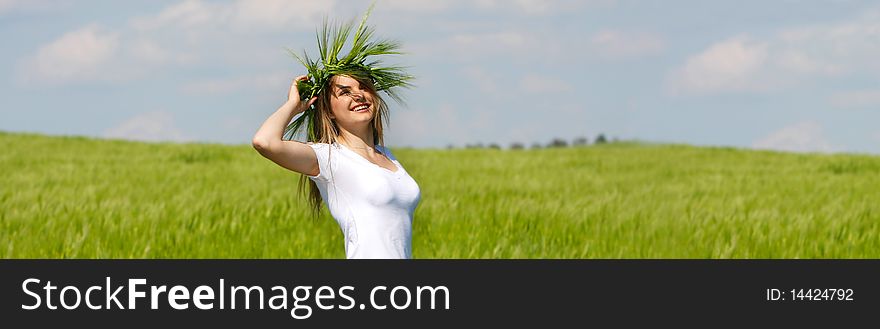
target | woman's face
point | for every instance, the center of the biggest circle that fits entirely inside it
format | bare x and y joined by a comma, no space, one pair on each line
349,102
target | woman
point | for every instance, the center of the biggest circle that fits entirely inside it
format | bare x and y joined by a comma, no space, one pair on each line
366,189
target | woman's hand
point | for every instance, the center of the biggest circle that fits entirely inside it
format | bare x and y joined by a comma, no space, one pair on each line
293,96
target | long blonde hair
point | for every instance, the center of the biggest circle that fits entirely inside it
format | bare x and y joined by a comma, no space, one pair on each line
328,132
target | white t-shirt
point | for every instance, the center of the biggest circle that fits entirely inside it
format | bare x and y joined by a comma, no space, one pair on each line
373,205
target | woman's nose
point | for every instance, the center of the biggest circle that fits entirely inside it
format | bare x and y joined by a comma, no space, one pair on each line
358,97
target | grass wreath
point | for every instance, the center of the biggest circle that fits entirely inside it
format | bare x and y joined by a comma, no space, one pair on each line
359,63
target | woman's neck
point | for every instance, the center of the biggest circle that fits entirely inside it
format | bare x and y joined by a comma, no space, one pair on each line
362,140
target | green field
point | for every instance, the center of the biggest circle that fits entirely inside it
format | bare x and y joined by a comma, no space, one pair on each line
74,197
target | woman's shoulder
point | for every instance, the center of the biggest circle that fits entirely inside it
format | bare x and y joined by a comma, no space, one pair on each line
322,146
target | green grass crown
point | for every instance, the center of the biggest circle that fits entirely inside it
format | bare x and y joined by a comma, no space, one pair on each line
331,40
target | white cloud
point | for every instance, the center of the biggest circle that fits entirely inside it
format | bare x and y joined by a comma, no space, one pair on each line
534,7
150,51
491,42
729,65
14,6
239,16
190,33
185,33
791,56
145,51
483,46
855,98
527,7
848,47
94,53
151,126
416,6
528,46
279,14
804,136
186,14
614,44
9,5
77,55
539,84
799,62
538,7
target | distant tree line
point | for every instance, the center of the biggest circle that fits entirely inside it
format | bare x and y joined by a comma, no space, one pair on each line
554,143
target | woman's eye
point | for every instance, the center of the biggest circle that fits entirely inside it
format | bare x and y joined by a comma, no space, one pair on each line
345,92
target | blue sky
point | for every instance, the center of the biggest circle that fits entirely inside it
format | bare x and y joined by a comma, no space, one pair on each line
786,75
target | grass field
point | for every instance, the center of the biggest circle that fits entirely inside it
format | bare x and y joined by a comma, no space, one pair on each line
73,197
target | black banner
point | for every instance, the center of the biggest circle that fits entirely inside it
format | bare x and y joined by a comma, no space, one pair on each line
310,293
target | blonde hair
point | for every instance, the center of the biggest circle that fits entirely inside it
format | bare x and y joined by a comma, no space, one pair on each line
328,132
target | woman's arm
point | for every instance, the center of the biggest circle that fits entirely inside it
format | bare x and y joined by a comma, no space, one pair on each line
292,155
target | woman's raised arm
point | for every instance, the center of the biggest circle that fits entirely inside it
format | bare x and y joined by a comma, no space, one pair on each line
293,155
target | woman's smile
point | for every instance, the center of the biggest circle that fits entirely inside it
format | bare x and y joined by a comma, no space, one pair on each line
361,108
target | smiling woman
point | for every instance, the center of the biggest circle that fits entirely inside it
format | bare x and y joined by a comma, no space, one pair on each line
344,162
